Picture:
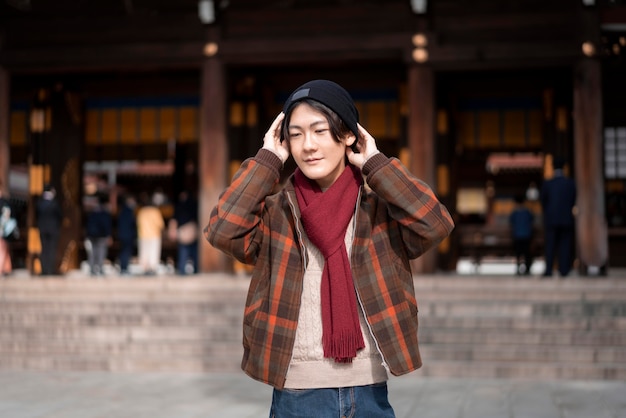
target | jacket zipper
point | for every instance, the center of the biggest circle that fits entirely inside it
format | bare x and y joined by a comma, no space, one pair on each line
358,296
304,263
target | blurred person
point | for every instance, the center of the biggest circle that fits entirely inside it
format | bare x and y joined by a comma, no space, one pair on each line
521,222
126,231
331,306
5,219
49,217
558,199
99,231
184,230
150,225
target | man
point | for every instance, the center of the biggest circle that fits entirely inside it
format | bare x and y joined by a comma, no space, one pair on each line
127,232
49,218
99,231
184,225
5,218
331,306
150,225
521,222
558,198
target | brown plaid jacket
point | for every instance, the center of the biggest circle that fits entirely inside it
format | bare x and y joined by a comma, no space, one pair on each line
398,220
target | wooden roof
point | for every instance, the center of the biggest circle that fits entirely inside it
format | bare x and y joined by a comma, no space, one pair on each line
87,35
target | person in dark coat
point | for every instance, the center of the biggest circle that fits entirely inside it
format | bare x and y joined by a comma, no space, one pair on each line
521,222
99,230
49,217
558,198
5,216
127,232
186,226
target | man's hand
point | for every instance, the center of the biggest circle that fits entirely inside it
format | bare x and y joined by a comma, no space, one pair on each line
271,141
366,145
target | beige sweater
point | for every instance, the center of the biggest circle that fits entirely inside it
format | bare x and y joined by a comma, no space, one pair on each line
308,368
150,223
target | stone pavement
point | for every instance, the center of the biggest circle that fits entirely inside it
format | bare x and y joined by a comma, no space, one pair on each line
31,394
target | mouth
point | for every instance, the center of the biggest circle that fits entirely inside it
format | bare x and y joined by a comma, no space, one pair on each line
312,160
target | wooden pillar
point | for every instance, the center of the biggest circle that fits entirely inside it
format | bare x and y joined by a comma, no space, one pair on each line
592,233
5,116
213,156
63,152
421,132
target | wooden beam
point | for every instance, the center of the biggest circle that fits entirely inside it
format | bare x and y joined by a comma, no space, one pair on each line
57,30
188,54
522,24
104,57
512,53
352,46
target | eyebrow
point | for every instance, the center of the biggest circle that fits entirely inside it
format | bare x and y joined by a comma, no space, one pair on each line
319,122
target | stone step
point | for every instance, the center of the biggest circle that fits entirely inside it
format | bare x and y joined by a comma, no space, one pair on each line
122,334
596,338
176,318
617,324
130,308
526,370
525,353
500,308
212,361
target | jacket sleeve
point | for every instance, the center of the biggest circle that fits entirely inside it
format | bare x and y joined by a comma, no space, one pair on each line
423,220
236,223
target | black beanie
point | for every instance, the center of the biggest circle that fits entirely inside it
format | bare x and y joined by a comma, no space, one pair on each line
330,94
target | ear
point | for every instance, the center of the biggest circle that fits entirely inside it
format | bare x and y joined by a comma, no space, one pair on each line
349,139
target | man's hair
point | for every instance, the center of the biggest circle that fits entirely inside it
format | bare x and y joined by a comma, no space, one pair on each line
338,128
558,163
103,199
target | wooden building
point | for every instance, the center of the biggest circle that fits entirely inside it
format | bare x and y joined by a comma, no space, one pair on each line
475,97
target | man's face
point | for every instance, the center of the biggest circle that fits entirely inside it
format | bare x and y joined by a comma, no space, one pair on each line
313,147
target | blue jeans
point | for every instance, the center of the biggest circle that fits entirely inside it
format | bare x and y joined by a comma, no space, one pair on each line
351,402
97,255
187,252
126,252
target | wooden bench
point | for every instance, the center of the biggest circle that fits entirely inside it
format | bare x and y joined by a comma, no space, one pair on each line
480,241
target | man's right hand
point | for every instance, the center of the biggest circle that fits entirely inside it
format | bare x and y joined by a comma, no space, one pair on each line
271,141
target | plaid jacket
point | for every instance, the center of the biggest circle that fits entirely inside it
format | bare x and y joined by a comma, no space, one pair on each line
397,221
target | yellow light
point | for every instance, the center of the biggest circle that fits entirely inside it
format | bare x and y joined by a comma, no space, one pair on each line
420,40
210,49
420,55
588,49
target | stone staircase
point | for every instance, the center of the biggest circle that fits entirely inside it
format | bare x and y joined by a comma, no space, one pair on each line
523,328
469,326
140,324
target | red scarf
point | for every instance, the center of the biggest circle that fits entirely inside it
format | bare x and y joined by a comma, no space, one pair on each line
325,217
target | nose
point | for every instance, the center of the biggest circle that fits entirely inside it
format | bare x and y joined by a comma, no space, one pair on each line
309,141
